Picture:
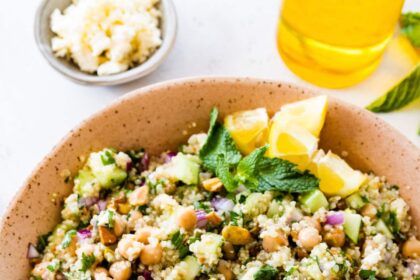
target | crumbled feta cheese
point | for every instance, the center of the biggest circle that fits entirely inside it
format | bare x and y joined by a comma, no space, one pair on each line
106,36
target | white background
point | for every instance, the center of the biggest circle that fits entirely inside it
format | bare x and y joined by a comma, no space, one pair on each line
215,37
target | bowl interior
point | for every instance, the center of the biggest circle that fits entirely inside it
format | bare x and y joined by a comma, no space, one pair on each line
157,118
43,36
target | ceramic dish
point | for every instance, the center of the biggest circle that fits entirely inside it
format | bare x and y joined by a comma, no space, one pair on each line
43,36
141,119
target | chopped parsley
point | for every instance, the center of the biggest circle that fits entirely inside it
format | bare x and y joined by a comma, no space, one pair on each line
177,240
266,272
54,266
367,274
203,205
87,261
110,219
236,219
107,158
42,242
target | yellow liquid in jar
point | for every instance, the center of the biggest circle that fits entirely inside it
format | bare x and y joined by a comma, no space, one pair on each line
335,43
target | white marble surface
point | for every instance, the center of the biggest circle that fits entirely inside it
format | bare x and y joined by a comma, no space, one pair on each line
215,37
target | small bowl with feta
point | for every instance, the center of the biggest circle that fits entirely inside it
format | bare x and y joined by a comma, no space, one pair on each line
105,42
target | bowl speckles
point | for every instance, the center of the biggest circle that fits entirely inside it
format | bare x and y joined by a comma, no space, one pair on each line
156,118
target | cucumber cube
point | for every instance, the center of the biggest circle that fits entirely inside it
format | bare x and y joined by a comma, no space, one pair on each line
381,227
352,225
314,200
190,267
183,168
355,201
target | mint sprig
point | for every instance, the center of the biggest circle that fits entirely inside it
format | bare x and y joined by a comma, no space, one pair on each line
400,95
255,171
410,27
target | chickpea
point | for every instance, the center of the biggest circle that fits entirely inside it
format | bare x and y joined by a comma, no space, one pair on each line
129,248
187,219
308,238
313,222
100,273
411,248
151,254
224,269
335,237
228,251
143,235
273,243
369,210
120,270
134,217
139,196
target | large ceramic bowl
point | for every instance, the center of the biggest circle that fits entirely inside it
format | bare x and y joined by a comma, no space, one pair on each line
157,117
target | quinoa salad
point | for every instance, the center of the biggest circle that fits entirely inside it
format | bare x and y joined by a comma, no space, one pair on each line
253,198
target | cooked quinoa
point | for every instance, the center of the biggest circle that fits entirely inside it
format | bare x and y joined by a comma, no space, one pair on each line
136,216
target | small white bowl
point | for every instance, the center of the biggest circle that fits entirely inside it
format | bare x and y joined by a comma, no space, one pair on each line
43,36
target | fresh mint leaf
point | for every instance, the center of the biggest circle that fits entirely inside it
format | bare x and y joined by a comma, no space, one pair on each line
87,261
260,173
266,272
68,238
223,173
218,142
406,91
410,27
367,274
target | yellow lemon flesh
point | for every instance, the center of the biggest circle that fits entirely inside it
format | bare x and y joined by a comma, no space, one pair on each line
337,177
292,143
248,128
309,113
313,164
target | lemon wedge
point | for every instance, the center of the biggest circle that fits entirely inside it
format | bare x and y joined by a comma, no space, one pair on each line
291,142
313,164
337,177
248,128
309,113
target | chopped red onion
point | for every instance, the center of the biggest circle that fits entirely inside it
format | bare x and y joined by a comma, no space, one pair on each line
102,205
147,275
169,155
88,201
129,166
222,204
201,218
335,219
145,161
84,233
32,252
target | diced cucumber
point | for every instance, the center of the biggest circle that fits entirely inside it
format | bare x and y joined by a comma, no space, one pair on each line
355,201
256,204
183,168
190,268
352,224
381,227
314,200
84,176
274,209
105,170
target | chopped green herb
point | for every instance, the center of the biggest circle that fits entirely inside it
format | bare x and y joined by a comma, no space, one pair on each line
203,205
107,158
260,173
87,261
236,219
34,277
54,266
42,242
177,240
68,238
365,199
143,209
266,272
367,274
110,219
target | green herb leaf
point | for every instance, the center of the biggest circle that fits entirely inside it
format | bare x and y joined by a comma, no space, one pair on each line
236,219
367,274
218,142
54,266
107,158
110,219
177,240
406,91
87,261
260,173
266,272
68,238
410,27
203,205
42,242
224,174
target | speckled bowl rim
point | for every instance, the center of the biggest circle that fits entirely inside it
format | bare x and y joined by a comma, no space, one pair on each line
402,157
169,31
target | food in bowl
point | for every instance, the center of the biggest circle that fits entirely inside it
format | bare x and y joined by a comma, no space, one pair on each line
253,198
106,36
